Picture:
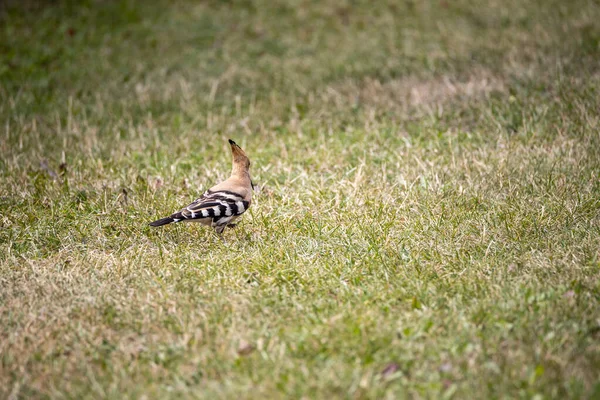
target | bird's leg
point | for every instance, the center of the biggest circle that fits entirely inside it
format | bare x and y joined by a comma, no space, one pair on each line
219,230
232,226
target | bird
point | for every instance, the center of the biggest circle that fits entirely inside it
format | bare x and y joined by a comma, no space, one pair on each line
223,203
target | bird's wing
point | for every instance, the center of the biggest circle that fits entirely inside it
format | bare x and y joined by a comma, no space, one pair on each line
217,204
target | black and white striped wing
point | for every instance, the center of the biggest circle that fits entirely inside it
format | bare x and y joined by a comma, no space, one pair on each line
221,207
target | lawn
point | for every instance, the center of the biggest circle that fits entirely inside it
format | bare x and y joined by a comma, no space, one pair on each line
426,222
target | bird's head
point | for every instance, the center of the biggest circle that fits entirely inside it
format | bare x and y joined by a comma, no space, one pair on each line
241,162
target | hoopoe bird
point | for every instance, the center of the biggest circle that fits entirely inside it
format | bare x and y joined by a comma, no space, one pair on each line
222,204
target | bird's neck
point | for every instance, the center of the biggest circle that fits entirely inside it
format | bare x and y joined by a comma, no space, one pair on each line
240,173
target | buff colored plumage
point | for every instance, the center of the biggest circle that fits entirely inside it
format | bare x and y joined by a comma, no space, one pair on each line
222,204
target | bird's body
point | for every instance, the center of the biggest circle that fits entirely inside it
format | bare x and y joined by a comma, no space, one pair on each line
222,204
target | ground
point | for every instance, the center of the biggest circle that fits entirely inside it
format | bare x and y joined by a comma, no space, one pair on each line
427,221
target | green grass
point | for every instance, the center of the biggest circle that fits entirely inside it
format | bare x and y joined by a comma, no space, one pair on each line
427,224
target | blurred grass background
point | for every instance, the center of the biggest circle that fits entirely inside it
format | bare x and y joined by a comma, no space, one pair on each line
427,224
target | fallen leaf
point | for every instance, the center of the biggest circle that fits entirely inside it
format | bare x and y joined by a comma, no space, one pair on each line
245,348
390,369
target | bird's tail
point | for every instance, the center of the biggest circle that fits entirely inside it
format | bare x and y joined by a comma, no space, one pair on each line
162,221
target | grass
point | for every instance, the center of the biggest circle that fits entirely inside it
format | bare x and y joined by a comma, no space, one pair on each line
427,224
